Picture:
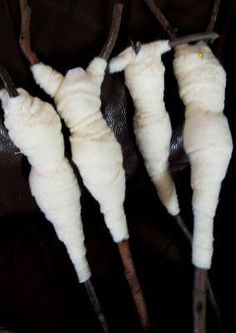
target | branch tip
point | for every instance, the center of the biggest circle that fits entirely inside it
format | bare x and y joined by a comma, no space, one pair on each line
113,33
24,39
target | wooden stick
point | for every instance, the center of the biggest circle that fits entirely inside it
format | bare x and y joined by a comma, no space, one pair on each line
161,19
214,15
96,305
199,300
182,40
7,81
113,33
209,288
174,41
124,247
194,38
134,284
24,40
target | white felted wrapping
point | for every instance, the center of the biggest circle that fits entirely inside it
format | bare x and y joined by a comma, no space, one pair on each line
95,149
207,138
35,128
144,77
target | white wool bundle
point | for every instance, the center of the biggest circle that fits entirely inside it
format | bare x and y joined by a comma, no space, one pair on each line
95,149
207,138
144,77
35,128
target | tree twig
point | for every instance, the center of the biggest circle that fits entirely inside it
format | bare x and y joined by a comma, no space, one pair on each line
7,81
24,40
113,33
199,300
182,40
209,288
193,38
134,284
174,40
161,19
11,89
96,305
214,15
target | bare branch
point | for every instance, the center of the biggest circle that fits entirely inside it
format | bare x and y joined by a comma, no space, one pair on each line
209,288
214,15
96,305
182,40
194,38
24,40
199,300
161,19
134,284
7,81
113,33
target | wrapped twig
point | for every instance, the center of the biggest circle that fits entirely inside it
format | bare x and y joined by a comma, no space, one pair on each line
7,82
105,53
25,42
201,282
12,91
114,31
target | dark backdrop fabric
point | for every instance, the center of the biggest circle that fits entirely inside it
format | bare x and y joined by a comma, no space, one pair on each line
39,291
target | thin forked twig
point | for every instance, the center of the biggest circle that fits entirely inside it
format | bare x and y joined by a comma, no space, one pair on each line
174,40
194,38
214,15
161,19
113,33
134,284
182,40
24,41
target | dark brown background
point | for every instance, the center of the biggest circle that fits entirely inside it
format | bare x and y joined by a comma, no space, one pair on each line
38,287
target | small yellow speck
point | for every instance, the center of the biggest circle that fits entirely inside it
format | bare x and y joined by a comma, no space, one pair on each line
201,54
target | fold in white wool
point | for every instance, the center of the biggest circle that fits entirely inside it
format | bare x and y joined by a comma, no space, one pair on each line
95,149
35,128
207,138
144,77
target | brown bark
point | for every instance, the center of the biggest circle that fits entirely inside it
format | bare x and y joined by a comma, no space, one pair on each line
214,15
24,40
96,305
7,81
199,300
113,33
134,284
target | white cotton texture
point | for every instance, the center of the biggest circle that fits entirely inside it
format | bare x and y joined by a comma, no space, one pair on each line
35,128
144,77
95,149
207,138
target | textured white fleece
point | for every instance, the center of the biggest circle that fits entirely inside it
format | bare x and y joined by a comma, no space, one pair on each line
207,138
144,77
95,149
35,128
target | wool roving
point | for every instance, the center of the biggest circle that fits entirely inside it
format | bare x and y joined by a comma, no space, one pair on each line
144,77
35,128
95,149
207,138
